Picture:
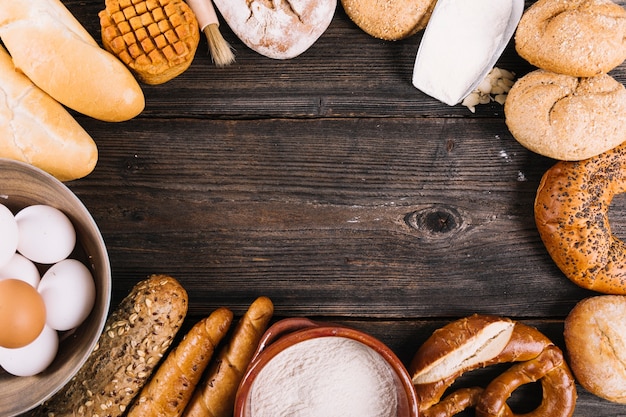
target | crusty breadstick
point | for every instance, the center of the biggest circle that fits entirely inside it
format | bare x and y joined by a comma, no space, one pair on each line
215,396
171,387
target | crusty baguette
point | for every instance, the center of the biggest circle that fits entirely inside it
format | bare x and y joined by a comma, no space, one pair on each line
172,385
135,337
36,129
215,396
55,51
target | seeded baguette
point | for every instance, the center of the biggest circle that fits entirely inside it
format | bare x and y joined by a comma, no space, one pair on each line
215,396
171,387
135,337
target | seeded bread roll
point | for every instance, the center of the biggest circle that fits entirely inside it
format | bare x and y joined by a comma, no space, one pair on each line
157,40
278,29
135,337
391,19
595,337
582,38
565,117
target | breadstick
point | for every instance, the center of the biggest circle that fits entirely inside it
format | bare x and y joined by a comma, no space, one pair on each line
215,396
173,383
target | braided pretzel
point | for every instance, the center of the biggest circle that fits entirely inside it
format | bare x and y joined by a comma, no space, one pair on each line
479,341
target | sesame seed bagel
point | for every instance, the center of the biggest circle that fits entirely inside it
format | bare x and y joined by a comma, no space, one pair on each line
571,213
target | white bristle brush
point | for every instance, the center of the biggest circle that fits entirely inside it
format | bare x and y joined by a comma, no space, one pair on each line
221,51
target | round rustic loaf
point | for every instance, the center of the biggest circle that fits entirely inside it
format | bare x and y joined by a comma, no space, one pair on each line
391,19
595,338
582,38
565,117
278,30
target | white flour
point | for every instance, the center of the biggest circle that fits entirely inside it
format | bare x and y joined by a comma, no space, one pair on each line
325,377
458,43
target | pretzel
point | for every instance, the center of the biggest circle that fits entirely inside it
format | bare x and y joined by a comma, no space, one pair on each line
479,341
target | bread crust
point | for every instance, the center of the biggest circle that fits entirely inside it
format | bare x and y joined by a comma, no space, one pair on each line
54,50
156,40
135,337
571,214
581,38
391,19
564,117
36,129
278,29
595,338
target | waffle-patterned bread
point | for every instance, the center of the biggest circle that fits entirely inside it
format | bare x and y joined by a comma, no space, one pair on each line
156,39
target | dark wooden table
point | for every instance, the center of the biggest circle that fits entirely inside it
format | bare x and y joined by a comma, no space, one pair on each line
330,184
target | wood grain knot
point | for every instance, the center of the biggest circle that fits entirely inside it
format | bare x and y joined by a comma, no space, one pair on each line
435,221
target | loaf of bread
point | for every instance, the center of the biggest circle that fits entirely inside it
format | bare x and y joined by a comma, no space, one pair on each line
36,129
278,30
565,117
581,38
157,40
389,20
55,51
595,337
136,336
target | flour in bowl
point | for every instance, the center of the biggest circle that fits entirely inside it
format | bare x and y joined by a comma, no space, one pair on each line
325,376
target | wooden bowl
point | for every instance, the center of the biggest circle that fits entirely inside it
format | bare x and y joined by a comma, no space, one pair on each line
22,185
288,332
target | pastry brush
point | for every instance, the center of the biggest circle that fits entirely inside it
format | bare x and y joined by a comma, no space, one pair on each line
221,51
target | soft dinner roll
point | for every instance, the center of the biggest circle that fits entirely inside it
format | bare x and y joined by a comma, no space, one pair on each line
277,29
581,38
157,40
572,217
55,51
389,19
36,129
595,338
565,117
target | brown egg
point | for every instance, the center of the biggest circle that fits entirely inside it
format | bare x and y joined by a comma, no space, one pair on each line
22,313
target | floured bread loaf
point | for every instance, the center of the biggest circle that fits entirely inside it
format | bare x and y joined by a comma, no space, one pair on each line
278,29
157,40
391,19
565,117
581,38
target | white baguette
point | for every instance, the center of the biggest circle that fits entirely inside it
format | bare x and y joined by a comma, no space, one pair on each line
57,53
36,129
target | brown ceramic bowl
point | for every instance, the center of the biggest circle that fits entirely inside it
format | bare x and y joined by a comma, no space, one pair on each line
22,185
288,332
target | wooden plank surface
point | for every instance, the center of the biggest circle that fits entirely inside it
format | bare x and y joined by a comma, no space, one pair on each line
333,186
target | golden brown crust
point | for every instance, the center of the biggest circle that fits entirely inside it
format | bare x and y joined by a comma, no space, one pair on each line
564,117
581,38
171,387
215,396
595,337
389,20
36,129
135,337
524,344
571,214
157,40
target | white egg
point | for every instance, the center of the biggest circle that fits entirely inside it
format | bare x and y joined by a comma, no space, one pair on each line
9,233
69,292
32,358
20,267
46,234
